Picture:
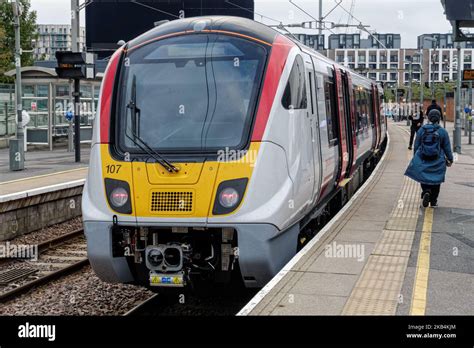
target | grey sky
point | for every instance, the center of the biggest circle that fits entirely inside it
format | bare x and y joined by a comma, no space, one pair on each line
410,18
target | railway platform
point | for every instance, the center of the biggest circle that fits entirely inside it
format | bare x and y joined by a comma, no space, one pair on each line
47,192
384,254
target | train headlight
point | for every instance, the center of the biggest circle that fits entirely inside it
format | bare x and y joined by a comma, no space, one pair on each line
229,196
155,257
173,257
118,196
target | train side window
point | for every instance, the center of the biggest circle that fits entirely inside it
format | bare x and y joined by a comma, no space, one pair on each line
331,116
310,77
362,121
355,99
363,105
371,108
381,109
295,93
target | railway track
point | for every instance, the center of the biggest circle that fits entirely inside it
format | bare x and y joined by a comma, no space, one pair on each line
56,257
141,306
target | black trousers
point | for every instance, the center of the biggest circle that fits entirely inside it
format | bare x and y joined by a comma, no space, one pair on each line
413,131
433,191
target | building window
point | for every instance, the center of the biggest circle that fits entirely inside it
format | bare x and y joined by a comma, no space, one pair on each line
373,76
393,76
389,41
383,76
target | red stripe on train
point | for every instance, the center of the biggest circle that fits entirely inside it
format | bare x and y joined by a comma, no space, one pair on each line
280,50
106,96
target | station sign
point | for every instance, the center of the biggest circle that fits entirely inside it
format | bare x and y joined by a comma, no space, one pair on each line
75,65
468,75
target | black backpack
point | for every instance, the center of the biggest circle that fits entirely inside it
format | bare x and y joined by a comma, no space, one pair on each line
430,143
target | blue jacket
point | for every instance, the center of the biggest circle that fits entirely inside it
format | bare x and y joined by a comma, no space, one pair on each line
430,172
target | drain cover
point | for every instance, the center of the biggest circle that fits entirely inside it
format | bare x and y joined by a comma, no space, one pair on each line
9,276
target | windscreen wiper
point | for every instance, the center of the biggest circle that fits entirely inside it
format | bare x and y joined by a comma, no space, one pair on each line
136,139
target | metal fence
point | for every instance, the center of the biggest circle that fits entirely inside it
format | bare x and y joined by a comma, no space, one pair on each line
7,110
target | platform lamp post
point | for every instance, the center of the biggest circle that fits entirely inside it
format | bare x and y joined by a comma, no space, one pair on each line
445,109
457,122
17,150
410,91
422,95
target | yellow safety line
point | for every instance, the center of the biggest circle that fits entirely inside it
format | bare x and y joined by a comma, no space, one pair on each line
43,176
420,287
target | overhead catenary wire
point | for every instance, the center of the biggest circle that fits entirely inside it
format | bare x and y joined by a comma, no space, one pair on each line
258,14
310,15
153,8
350,14
361,27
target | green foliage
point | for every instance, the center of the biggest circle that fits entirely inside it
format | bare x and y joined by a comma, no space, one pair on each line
7,36
416,91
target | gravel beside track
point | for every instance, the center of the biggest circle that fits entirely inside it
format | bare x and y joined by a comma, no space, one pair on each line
81,293
49,233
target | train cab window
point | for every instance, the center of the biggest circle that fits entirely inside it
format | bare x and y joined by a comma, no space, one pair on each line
191,94
295,93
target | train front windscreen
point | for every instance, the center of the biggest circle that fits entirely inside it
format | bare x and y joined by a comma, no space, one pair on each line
192,93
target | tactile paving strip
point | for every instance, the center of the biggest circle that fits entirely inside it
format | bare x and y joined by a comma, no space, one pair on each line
378,290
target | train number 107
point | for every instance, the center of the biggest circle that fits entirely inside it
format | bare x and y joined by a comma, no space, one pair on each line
113,169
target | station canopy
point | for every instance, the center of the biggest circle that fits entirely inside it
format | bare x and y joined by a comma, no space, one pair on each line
461,15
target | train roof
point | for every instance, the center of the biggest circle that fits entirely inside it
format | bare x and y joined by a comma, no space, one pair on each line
243,26
238,25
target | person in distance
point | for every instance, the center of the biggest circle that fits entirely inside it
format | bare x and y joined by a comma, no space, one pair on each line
432,154
416,123
434,106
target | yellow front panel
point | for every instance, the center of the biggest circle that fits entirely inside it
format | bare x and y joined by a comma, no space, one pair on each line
189,193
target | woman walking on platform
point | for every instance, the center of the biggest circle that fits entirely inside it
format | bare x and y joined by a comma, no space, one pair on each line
432,155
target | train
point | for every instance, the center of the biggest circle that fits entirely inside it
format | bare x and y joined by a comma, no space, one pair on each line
219,145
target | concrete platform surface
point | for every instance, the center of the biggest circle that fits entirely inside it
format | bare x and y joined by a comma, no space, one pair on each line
41,162
384,254
45,171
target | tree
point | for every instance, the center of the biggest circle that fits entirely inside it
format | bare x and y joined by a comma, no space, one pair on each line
416,90
7,36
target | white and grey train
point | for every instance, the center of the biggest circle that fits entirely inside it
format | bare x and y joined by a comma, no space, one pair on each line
219,142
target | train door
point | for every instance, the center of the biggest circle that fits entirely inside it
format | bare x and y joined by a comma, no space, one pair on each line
352,124
372,117
314,121
376,113
344,135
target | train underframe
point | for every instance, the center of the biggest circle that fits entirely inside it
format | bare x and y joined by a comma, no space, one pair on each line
177,257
